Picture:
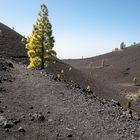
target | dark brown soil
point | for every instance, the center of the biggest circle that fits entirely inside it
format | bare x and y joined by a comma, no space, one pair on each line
33,106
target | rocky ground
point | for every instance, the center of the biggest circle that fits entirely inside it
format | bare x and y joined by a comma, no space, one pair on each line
35,105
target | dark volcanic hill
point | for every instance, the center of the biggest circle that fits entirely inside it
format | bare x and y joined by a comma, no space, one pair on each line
10,42
114,80
54,104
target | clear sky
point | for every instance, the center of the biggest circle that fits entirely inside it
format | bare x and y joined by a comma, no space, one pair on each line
80,27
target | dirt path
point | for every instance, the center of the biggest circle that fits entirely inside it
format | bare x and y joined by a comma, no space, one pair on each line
69,113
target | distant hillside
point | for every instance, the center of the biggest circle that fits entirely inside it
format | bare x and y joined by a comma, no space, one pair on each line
10,42
115,79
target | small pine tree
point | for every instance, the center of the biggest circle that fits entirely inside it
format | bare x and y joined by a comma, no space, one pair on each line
70,68
0,32
40,44
139,93
122,46
62,71
88,88
135,80
103,63
23,40
129,104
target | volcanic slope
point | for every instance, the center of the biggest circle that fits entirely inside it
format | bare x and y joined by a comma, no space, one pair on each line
33,106
10,42
115,79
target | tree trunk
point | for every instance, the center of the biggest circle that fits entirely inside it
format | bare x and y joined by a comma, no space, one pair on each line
42,55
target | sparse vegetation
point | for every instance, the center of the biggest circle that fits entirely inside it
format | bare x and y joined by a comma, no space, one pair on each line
134,43
103,63
71,81
129,104
70,68
139,93
23,40
0,32
40,44
88,88
62,71
135,80
58,76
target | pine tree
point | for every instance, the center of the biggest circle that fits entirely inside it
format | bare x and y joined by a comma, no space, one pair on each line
40,44
122,45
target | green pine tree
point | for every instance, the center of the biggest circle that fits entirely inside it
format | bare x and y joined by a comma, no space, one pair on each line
122,45
40,44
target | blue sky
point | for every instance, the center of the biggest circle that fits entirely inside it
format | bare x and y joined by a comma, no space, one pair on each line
80,27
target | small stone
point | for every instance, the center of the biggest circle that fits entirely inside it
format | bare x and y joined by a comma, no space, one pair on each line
100,110
30,114
48,112
104,101
23,116
5,79
136,116
32,119
8,111
55,78
137,135
90,92
69,136
21,129
16,121
8,124
50,120
7,130
31,107
128,113
69,129
10,65
10,80
2,89
41,118
5,107
2,120
116,102
58,135
84,90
